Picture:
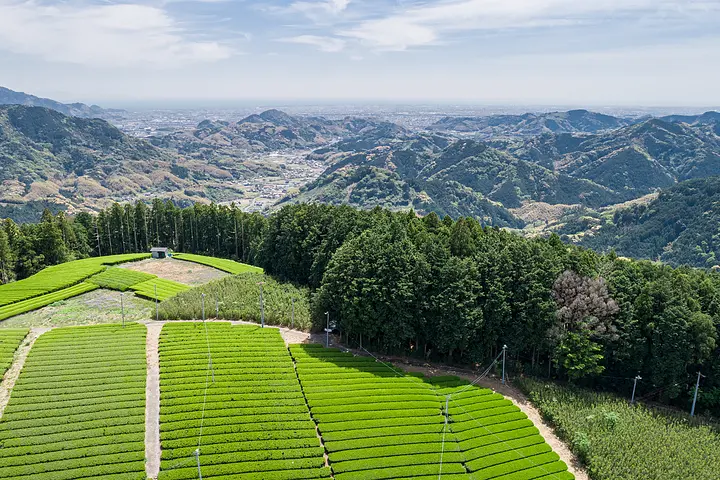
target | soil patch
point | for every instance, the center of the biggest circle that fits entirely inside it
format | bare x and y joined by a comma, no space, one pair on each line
177,270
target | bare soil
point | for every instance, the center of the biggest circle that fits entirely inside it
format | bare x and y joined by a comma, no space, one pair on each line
177,270
11,376
152,401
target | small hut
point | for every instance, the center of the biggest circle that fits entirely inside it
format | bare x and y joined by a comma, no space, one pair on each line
160,252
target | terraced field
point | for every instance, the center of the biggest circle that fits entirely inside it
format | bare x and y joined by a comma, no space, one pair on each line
119,278
34,303
379,424
223,264
158,289
60,276
248,418
78,408
10,340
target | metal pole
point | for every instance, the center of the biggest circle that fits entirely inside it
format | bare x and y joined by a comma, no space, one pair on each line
197,458
202,300
632,400
122,308
292,325
157,315
327,330
697,386
217,308
262,308
503,372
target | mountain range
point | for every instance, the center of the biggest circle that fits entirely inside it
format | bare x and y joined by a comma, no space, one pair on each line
11,97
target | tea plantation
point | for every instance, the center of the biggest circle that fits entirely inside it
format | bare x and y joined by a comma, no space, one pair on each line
9,342
78,408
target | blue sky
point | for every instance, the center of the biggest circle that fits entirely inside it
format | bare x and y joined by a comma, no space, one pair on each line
543,52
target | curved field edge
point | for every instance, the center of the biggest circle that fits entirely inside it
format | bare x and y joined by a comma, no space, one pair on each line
229,266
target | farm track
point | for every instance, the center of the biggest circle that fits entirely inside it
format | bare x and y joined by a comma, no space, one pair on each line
11,376
152,401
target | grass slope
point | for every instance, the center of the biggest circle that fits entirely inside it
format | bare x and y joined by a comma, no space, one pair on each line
621,442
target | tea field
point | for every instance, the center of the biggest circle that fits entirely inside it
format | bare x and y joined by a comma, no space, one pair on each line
10,340
229,266
78,408
246,414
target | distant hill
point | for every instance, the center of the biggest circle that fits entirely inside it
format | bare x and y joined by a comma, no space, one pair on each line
631,161
574,121
10,97
47,157
680,227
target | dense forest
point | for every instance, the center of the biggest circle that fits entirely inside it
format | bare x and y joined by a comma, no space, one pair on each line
436,288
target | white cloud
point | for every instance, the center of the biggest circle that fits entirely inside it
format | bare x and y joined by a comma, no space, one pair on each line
426,23
319,11
112,35
326,44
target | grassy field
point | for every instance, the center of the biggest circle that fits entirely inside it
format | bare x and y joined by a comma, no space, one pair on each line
9,342
60,276
229,266
250,423
240,300
97,307
380,424
618,441
78,408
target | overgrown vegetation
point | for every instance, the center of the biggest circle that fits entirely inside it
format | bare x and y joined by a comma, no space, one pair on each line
238,298
618,441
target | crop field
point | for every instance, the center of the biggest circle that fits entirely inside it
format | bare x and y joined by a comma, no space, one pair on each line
223,264
379,424
618,441
44,300
249,421
158,289
60,276
9,342
119,278
239,298
78,408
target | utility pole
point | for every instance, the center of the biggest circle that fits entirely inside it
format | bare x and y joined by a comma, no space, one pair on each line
197,458
632,400
327,330
503,371
122,308
157,314
292,324
697,387
217,308
262,306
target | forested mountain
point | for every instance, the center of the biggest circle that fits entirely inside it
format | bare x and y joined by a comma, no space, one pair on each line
73,162
631,161
532,124
680,227
10,97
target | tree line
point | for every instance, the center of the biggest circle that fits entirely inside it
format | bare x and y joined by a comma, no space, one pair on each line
436,288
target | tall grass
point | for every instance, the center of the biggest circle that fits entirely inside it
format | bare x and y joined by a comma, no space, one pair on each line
239,299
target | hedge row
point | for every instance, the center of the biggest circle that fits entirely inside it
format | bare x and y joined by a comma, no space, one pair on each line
119,278
253,417
10,340
158,289
223,264
36,302
54,429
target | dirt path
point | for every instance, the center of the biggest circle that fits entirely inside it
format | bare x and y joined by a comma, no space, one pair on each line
11,376
152,401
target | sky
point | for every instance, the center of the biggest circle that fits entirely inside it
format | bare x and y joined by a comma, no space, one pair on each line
539,52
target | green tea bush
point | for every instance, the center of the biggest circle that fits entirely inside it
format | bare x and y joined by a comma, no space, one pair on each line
223,264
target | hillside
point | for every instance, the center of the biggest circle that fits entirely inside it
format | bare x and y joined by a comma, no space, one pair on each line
72,162
680,227
11,97
532,124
